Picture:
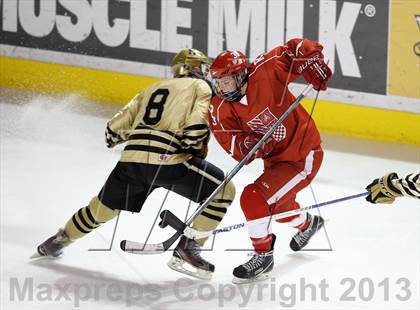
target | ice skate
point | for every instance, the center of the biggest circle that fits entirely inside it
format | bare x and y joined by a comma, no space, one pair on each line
258,268
53,246
301,238
187,254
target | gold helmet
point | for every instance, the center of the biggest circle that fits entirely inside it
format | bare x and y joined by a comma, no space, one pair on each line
190,62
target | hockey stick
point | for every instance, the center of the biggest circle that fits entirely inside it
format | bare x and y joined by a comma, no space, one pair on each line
137,248
195,234
169,219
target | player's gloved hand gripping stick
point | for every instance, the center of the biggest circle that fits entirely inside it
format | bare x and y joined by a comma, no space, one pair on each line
170,219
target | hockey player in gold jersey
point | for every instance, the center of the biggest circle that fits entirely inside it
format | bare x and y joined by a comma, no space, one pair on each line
166,132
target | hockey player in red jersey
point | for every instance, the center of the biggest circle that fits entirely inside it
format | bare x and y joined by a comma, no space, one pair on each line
250,98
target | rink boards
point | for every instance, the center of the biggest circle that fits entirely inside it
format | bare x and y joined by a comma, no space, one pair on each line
109,50
345,119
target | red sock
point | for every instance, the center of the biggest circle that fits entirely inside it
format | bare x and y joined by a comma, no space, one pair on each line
262,245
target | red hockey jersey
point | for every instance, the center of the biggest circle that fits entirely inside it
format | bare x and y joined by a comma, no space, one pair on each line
267,98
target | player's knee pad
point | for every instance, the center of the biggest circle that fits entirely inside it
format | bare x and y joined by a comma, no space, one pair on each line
253,204
100,212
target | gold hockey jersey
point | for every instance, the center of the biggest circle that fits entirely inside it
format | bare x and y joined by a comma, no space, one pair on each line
165,123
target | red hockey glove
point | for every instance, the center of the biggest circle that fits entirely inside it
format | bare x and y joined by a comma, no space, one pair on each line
307,59
314,70
265,149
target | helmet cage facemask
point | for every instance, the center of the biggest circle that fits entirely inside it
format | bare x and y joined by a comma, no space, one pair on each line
239,78
202,71
185,70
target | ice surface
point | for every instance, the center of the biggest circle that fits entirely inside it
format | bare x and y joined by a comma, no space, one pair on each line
53,160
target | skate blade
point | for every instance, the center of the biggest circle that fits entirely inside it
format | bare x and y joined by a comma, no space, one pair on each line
318,229
36,255
177,264
261,277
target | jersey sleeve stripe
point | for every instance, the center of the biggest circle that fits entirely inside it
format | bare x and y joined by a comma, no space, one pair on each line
196,127
111,132
406,190
197,138
413,191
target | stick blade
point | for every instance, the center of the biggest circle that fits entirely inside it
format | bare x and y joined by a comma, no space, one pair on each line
141,248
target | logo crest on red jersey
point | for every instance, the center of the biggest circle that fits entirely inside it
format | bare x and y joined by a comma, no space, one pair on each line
263,122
